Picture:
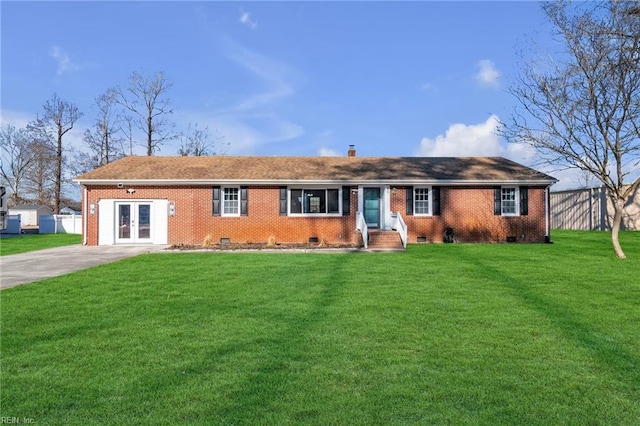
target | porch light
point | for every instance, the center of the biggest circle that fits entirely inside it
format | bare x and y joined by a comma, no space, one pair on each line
92,209
172,208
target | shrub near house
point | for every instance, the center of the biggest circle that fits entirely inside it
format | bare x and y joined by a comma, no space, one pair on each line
183,200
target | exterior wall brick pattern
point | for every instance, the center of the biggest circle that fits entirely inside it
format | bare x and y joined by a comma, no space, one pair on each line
469,211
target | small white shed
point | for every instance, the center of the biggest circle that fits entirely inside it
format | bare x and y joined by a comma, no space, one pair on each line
30,214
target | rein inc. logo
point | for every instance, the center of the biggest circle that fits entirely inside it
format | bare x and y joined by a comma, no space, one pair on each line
16,420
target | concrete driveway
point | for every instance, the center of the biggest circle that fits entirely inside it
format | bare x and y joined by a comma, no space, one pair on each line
32,266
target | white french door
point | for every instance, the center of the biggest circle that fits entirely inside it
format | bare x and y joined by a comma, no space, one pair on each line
133,222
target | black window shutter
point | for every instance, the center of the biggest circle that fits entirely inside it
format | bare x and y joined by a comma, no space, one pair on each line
524,200
346,200
216,201
283,201
409,209
435,194
497,201
244,200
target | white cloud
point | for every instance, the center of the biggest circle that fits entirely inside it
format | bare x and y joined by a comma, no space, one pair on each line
487,74
254,120
245,19
243,133
462,140
275,76
328,152
468,140
326,134
324,139
428,87
64,60
17,119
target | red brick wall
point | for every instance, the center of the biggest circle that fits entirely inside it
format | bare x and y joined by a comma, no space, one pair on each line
469,211
194,221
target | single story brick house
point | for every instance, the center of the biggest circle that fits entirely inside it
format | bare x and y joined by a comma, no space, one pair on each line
251,199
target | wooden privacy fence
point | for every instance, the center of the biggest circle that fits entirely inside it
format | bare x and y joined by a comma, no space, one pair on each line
591,209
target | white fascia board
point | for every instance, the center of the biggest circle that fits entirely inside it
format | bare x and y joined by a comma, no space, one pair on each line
431,182
289,182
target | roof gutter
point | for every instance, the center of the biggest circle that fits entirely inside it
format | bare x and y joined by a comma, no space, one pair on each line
280,182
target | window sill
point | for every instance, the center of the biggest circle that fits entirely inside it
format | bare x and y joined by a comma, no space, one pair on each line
314,215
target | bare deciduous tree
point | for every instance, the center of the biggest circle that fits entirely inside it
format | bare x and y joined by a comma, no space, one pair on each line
583,110
197,142
127,128
103,140
16,157
39,180
58,118
585,179
146,98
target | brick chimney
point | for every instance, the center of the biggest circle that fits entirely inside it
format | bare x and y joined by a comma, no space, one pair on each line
352,151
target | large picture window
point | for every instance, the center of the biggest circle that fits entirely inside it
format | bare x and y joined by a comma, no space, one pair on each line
315,201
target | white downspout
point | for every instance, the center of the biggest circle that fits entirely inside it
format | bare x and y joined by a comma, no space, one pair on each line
85,213
547,214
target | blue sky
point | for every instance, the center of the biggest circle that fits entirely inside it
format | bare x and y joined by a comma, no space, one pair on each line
285,78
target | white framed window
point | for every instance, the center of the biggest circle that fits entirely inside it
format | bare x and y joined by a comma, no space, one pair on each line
314,201
231,201
421,202
509,201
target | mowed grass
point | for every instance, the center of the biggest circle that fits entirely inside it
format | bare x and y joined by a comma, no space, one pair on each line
25,243
442,334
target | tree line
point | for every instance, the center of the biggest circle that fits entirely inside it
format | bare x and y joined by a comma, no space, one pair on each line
37,160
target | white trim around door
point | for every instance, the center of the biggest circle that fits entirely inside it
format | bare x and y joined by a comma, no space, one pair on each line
132,222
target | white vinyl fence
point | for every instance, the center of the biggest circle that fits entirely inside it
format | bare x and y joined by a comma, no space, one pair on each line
61,224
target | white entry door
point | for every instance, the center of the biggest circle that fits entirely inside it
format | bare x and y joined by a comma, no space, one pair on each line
133,222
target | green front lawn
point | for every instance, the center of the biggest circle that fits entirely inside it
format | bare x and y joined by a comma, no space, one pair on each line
25,243
442,334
